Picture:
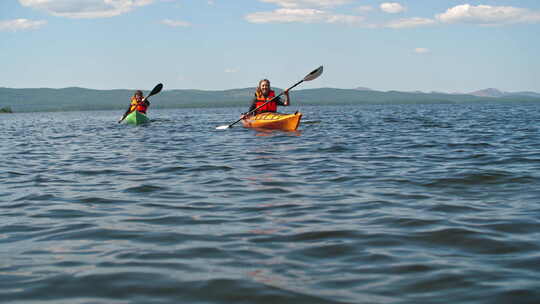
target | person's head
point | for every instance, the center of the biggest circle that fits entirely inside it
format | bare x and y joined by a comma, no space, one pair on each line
138,94
264,87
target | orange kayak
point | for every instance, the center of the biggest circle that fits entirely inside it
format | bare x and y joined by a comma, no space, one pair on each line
273,121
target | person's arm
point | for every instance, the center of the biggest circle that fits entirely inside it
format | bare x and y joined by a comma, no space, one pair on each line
253,105
251,108
285,102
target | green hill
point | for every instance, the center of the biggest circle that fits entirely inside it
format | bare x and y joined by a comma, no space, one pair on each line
74,98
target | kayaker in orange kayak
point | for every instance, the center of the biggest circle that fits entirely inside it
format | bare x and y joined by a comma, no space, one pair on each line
138,102
263,94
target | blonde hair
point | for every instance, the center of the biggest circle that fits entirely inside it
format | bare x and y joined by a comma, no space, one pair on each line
258,92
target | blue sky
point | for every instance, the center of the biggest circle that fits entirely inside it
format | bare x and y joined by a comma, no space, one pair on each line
426,45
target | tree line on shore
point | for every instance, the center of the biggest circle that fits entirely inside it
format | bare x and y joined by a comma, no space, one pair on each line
74,99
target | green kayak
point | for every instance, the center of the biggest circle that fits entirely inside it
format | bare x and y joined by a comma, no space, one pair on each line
136,118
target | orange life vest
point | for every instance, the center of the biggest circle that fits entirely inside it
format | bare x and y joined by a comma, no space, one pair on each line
269,107
139,106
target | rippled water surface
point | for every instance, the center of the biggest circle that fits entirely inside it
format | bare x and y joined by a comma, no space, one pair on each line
365,204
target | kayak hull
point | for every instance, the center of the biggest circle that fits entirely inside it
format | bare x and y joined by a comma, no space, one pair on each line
273,121
136,118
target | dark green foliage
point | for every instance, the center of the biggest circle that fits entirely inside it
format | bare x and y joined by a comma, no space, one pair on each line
6,110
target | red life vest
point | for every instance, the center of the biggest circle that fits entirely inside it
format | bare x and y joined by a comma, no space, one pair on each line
139,106
269,107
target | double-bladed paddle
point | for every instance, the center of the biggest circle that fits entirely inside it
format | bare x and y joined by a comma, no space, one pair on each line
314,74
154,91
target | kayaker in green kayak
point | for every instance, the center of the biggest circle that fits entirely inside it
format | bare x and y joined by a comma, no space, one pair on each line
264,94
138,103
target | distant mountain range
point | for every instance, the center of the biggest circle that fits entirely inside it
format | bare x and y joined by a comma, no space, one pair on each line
75,98
491,92
363,89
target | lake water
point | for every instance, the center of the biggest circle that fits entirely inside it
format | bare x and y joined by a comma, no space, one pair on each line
365,204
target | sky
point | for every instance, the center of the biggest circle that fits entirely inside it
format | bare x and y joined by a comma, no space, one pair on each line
408,45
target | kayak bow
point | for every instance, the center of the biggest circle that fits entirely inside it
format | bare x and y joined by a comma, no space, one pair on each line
136,118
273,121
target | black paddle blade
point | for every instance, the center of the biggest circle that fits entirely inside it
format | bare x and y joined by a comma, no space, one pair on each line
156,89
314,74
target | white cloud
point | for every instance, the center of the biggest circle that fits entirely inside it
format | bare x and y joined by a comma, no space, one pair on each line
345,19
364,9
422,50
175,23
488,15
303,11
21,25
85,8
231,70
410,22
392,7
286,15
307,3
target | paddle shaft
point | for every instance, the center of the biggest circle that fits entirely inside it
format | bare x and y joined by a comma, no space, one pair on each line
254,110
